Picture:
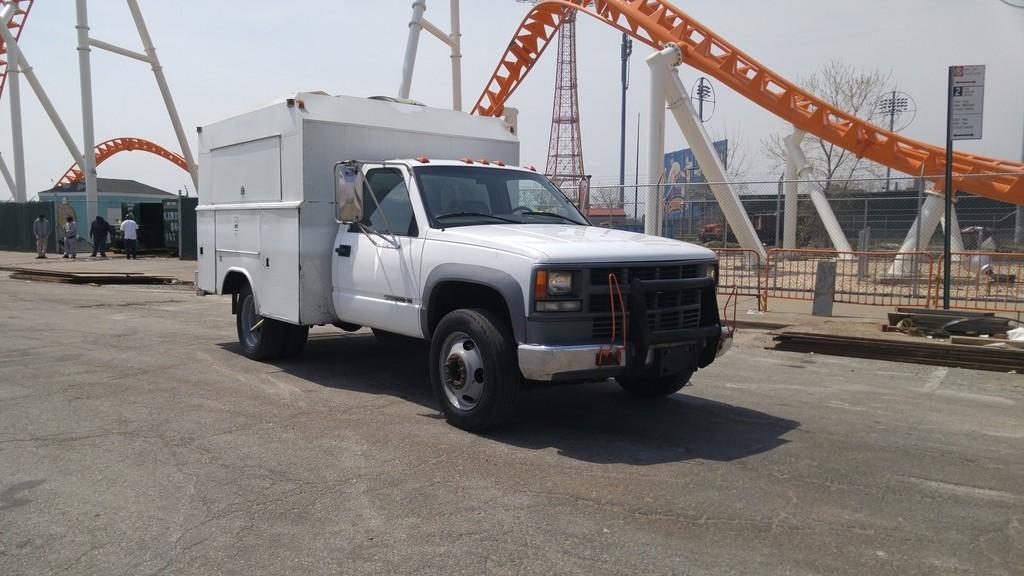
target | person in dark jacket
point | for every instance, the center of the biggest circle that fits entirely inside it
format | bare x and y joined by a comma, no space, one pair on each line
99,230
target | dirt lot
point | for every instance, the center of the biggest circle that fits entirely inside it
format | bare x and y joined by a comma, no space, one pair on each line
134,439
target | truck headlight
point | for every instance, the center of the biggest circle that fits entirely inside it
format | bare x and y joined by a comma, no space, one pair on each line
559,283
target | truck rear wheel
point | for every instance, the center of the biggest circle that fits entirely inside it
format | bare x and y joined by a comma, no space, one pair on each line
473,369
261,338
654,386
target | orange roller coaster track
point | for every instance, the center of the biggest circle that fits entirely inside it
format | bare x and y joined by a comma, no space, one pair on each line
107,149
16,24
657,23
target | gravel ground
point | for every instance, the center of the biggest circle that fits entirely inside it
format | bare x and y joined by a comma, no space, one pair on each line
134,439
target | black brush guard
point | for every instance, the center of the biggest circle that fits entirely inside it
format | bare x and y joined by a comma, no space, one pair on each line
704,338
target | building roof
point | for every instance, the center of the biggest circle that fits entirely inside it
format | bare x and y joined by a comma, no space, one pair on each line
112,187
600,212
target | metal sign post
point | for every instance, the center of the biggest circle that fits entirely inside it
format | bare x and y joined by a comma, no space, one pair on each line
964,106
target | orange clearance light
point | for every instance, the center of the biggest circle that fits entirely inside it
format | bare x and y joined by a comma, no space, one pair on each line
499,163
467,160
483,161
540,287
423,160
301,103
530,167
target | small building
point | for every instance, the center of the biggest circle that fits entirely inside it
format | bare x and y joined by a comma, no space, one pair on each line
111,192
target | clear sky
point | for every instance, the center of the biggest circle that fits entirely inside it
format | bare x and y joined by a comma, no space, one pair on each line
227,56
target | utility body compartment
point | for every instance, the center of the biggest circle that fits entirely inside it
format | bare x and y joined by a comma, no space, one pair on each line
266,190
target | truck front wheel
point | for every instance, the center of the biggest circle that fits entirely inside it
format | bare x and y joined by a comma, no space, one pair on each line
473,369
261,338
654,386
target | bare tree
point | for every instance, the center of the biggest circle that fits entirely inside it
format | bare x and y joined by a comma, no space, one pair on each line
737,158
604,197
852,90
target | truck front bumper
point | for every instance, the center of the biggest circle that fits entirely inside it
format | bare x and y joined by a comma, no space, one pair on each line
650,353
546,363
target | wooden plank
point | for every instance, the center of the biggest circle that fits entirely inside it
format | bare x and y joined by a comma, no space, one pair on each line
933,311
975,341
929,352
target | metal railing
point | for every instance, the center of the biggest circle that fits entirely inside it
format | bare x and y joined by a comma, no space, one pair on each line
741,273
984,281
865,278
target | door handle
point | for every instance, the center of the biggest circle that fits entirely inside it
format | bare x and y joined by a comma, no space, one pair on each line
343,250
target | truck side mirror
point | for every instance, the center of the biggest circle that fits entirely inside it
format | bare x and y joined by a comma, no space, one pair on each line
349,182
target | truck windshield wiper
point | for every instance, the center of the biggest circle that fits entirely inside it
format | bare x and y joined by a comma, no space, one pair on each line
534,213
456,214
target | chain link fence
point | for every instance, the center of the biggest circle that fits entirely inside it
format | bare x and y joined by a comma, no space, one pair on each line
873,214
892,230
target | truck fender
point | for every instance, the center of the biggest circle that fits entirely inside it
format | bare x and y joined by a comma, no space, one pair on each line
502,282
234,293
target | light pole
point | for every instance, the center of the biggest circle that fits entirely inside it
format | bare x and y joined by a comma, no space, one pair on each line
896,105
627,51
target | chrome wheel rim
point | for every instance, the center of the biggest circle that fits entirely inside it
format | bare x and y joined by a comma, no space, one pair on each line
462,371
250,337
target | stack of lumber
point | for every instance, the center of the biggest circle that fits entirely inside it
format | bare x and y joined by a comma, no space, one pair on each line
89,277
904,349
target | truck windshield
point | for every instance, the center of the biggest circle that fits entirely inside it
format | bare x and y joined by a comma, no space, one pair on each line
472,195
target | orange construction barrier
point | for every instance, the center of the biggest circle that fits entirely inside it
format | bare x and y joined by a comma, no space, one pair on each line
984,281
866,278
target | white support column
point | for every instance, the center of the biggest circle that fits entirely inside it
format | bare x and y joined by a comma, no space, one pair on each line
924,225
796,167
17,184
7,176
957,237
14,51
918,237
655,143
88,135
663,63
19,190
165,91
411,45
828,218
456,46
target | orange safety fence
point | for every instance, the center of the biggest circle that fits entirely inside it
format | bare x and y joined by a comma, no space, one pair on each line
984,281
867,278
740,273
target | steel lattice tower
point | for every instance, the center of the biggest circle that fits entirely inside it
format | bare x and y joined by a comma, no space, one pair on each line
565,147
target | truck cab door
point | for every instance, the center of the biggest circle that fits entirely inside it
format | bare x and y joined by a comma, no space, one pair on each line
375,271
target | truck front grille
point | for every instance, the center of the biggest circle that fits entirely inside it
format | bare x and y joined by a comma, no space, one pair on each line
666,310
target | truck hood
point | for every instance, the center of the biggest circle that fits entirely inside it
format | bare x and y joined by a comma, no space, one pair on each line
563,243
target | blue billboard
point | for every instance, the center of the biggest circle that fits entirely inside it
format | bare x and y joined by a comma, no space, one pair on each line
681,168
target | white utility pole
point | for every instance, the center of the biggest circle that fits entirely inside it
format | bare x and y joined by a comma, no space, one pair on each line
88,134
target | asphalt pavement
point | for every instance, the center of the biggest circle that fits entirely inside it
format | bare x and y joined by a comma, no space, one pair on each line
135,439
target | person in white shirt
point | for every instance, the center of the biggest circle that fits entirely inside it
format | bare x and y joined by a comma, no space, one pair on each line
130,229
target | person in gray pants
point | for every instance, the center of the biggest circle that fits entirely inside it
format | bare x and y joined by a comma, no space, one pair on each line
41,230
71,238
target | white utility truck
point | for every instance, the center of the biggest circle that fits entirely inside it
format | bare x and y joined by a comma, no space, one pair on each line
417,222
